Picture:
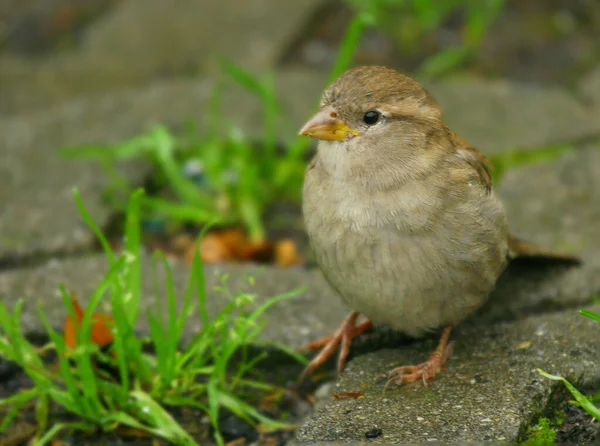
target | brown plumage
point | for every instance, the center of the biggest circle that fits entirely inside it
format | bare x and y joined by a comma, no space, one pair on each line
400,213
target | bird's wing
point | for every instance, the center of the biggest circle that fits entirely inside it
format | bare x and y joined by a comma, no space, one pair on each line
475,159
518,248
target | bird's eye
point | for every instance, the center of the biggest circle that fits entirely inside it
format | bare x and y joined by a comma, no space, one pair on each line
371,117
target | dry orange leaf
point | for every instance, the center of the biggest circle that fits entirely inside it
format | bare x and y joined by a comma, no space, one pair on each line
286,253
101,333
212,250
348,395
232,245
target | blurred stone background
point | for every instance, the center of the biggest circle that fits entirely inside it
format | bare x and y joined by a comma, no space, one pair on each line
53,50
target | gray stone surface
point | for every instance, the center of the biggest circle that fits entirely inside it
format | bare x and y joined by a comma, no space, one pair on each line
37,211
556,205
140,41
489,392
590,87
498,114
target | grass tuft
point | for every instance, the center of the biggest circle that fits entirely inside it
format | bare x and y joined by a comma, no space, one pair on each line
586,403
219,176
412,24
143,388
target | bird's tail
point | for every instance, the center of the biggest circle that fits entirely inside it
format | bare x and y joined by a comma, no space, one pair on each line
521,248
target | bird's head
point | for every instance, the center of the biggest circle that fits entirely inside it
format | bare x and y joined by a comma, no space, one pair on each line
377,116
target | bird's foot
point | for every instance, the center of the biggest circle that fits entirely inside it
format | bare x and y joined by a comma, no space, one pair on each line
343,335
426,370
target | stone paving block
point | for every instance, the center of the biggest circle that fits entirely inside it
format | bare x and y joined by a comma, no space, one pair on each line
37,212
556,205
590,88
142,41
498,114
489,392
168,37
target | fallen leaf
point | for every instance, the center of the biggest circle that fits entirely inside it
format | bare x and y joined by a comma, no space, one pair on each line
524,345
230,245
212,250
101,333
348,395
286,253
233,245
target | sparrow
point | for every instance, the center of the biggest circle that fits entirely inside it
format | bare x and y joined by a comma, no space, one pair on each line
401,215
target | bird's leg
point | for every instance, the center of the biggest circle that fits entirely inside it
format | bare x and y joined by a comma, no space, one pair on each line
344,335
425,370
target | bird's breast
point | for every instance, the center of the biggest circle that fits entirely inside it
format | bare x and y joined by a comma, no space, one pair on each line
392,257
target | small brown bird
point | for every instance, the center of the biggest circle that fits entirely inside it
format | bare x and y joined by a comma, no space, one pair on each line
401,214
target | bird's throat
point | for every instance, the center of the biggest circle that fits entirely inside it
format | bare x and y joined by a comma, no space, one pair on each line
334,157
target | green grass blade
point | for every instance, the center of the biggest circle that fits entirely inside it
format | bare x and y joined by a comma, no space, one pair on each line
513,158
16,402
54,430
248,412
159,421
262,308
87,218
122,331
133,242
197,278
590,314
85,395
184,211
160,342
166,336
349,45
185,189
292,353
445,61
243,77
585,403
71,399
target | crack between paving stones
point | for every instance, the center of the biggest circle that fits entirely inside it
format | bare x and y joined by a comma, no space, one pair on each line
554,402
15,260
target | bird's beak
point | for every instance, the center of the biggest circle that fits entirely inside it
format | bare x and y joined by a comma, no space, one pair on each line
326,124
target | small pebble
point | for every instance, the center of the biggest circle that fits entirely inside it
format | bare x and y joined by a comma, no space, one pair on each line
373,433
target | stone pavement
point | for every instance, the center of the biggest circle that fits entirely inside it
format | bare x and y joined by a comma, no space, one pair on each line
143,41
490,390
